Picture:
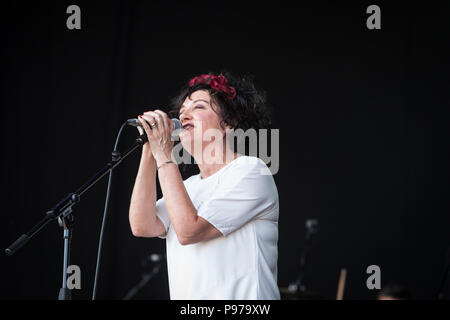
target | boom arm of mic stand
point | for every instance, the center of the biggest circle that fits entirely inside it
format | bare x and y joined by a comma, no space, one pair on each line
64,207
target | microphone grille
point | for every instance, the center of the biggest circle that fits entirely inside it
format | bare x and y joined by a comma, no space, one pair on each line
176,124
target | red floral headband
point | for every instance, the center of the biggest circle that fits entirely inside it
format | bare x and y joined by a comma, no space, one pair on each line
219,83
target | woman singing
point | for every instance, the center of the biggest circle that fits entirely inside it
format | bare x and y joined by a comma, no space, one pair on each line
221,225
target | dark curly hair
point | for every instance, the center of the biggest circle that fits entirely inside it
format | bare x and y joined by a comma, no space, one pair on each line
248,109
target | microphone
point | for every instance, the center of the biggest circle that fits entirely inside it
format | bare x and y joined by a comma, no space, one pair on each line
143,138
136,123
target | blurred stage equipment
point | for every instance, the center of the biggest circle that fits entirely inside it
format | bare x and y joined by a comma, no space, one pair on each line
444,286
155,260
297,289
63,210
341,284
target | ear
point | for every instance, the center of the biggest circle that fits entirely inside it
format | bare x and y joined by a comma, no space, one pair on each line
231,127
226,127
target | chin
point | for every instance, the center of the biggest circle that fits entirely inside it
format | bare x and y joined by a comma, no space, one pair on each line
187,142
192,144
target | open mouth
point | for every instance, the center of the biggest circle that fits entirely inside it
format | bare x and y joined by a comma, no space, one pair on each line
188,126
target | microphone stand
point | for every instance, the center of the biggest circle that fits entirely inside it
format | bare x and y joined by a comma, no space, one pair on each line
63,212
66,223
298,287
145,278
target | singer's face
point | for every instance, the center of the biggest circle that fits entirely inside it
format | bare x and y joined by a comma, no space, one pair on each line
200,118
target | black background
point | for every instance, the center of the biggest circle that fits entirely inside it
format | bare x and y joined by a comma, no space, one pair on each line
362,116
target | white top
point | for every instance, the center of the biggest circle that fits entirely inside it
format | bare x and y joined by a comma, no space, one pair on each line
241,201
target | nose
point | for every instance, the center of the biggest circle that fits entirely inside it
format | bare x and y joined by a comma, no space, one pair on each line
185,116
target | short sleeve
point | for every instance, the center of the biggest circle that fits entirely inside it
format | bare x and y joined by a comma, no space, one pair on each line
244,192
163,215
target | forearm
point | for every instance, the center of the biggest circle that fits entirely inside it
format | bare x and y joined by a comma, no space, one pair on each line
142,213
182,213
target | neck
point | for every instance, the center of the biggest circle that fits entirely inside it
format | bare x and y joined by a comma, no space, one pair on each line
214,161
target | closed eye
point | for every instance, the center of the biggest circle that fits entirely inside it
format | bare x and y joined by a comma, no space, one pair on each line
195,107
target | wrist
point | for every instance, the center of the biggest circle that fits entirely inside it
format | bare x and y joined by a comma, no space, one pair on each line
160,159
165,163
147,155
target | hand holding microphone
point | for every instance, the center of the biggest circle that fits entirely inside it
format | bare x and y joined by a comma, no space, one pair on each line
135,122
158,128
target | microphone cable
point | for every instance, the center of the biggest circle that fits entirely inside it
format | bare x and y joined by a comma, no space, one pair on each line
115,157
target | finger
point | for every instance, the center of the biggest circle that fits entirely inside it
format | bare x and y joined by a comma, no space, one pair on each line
167,121
148,113
159,121
145,125
150,123
140,128
154,114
